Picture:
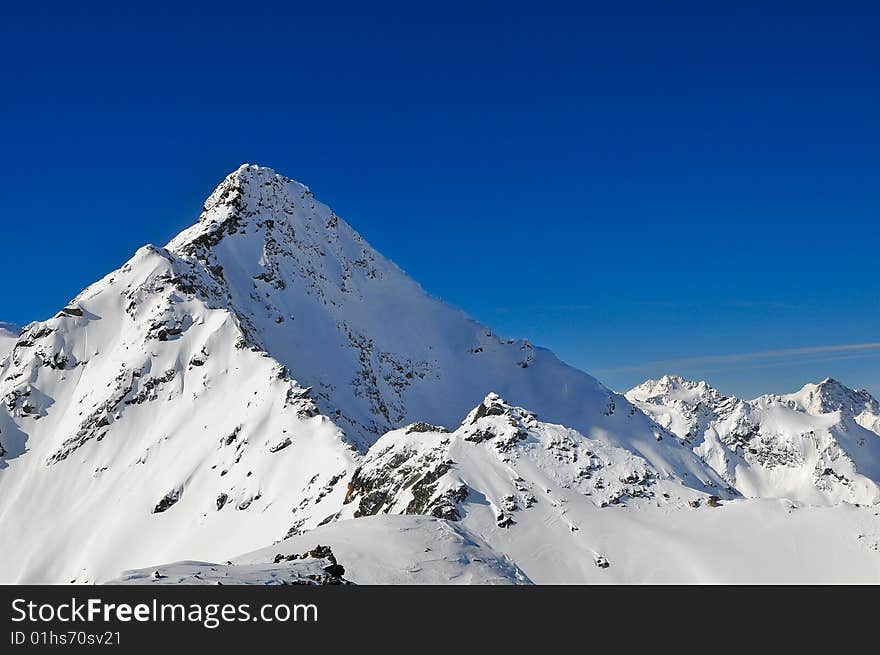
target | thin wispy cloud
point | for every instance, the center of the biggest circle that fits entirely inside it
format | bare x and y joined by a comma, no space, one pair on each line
856,348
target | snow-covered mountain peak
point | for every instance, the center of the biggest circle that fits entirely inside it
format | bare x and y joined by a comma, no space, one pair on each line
674,387
255,172
377,349
812,445
249,197
250,183
502,459
495,405
829,395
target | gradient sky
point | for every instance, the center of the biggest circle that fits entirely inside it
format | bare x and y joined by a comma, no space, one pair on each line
648,191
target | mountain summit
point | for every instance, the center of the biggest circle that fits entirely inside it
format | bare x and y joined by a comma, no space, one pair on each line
376,349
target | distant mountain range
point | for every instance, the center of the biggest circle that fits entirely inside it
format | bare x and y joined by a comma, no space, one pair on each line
267,383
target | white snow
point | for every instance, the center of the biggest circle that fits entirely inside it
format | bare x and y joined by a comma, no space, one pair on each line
373,550
574,503
8,336
819,445
525,512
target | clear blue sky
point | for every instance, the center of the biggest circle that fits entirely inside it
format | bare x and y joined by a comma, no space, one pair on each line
652,185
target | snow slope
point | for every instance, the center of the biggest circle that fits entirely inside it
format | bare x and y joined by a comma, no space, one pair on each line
507,498
568,509
744,541
138,428
8,335
830,396
311,292
373,550
317,566
820,445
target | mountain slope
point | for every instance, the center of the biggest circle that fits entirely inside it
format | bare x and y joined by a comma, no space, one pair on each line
740,541
508,498
137,427
373,550
819,445
568,509
310,291
831,396
8,336
530,489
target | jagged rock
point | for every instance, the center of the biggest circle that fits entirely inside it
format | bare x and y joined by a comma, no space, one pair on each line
171,498
321,551
424,427
504,520
489,407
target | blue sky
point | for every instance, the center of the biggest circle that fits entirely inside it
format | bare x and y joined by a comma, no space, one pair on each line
654,190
